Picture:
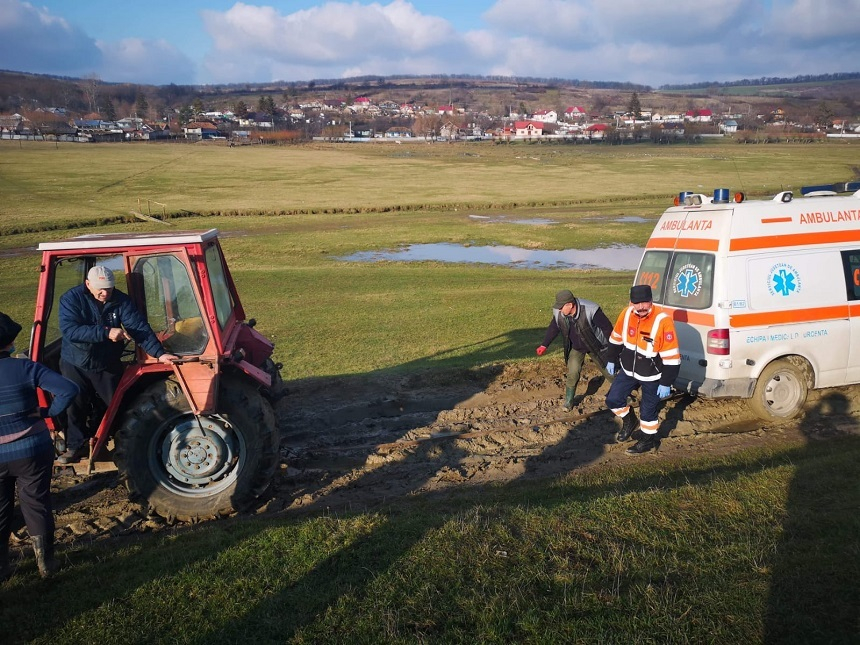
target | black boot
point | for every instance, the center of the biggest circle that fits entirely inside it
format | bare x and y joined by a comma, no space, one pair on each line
43,547
5,565
629,423
648,442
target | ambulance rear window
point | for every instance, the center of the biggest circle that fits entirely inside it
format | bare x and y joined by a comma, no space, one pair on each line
691,280
652,270
682,279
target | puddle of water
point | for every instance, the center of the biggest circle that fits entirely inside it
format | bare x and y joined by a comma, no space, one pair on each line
533,221
617,257
627,219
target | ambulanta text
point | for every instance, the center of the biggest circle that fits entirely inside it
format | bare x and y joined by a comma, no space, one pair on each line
684,225
825,217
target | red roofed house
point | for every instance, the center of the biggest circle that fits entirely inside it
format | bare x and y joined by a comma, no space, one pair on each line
361,103
528,128
702,116
575,112
596,131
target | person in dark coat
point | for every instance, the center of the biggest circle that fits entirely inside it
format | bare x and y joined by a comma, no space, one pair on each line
96,321
585,329
26,448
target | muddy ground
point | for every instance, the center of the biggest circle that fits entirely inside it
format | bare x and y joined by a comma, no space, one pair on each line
363,443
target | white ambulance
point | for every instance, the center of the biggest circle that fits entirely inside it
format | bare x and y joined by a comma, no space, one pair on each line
765,294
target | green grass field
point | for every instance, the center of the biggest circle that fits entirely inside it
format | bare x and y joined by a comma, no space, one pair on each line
47,185
757,548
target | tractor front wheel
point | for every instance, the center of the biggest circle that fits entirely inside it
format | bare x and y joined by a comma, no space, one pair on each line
188,467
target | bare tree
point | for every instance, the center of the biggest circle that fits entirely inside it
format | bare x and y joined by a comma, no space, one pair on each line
91,91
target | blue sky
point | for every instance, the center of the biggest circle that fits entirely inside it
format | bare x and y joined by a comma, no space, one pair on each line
215,41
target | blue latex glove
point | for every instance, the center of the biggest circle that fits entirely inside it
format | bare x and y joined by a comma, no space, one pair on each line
664,391
610,367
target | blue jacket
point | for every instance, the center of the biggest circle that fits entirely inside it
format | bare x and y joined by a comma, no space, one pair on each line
23,434
84,323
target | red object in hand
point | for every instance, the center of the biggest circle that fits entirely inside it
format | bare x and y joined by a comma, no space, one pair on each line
541,350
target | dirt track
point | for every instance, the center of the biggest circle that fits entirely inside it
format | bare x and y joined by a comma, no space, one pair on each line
358,443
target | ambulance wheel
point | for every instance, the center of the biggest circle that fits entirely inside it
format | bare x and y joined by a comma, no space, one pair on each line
780,391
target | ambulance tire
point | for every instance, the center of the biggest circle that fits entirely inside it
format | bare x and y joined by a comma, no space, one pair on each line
781,389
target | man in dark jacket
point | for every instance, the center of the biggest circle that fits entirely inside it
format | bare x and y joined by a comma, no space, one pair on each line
26,448
585,329
96,321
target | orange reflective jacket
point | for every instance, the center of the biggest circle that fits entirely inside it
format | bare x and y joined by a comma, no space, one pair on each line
647,347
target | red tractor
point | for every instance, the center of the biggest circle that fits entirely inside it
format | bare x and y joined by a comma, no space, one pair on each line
195,439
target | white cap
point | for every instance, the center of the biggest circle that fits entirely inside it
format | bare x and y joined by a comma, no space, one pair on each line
100,277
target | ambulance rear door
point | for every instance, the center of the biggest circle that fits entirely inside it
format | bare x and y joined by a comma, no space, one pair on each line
681,263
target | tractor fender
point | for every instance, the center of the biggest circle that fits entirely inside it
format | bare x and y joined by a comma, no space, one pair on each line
132,379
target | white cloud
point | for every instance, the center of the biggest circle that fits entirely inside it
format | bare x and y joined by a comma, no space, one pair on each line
330,38
32,39
815,22
628,40
135,60
617,40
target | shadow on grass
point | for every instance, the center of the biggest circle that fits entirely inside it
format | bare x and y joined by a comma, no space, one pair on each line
813,595
115,592
815,579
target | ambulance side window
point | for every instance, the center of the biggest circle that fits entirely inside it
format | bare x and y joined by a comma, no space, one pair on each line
851,262
691,281
652,270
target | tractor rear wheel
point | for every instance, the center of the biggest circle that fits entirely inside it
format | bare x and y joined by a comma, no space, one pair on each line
185,467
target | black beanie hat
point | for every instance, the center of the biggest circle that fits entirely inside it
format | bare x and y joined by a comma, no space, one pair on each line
641,293
9,329
562,298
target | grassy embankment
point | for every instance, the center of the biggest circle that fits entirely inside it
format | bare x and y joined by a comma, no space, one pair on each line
758,547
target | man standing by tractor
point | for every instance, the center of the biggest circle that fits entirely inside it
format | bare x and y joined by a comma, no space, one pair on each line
645,341
26,449
585,330
96,320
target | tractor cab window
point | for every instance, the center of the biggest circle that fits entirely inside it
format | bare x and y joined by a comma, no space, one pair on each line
172,309
220,289
70,272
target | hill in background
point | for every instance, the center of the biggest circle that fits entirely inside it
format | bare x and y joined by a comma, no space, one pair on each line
497,96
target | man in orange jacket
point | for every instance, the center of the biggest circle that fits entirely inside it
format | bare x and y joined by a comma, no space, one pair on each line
645,344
